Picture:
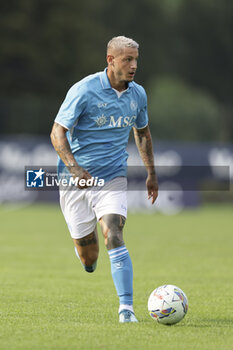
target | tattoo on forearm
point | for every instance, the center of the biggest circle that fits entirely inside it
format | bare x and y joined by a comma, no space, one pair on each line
62,147
145,147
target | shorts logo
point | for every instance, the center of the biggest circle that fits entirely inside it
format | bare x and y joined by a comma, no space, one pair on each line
123,207
35,178
102,120
133,105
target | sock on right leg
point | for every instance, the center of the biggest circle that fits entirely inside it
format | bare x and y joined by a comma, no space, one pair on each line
125,307
122,274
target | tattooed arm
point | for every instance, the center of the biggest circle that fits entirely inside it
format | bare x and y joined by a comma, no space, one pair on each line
62,147
144,144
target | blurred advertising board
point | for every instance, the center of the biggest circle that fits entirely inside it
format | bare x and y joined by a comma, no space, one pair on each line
184,171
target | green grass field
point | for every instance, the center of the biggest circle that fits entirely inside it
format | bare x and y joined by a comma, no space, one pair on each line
47,301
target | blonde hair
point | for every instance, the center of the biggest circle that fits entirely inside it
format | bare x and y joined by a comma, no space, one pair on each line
120,42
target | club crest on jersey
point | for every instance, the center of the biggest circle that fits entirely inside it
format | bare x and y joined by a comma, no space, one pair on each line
102,120
133,105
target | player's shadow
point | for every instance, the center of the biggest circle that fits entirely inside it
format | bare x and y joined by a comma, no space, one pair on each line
204,323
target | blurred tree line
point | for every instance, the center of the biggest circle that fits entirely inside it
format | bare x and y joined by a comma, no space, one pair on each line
186,60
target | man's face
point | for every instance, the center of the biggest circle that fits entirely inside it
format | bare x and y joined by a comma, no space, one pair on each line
124,64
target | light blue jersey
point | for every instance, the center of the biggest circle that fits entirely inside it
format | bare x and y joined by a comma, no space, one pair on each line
99,123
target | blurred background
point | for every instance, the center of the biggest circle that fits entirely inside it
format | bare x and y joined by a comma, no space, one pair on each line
185,65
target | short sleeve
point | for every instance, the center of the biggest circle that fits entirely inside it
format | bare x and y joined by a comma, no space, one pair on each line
142,117
72,107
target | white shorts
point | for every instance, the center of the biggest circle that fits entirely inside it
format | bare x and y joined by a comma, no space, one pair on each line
83,208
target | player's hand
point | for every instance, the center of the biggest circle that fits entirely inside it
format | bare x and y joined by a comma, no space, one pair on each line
152,187
83,175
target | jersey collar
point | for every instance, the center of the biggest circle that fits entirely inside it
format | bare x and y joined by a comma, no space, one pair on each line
105,81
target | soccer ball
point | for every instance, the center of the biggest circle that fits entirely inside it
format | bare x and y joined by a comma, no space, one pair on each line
167,304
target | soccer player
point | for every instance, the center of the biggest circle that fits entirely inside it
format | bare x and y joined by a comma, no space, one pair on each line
90,135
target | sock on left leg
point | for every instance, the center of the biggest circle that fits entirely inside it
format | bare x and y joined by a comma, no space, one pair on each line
86,268
122,274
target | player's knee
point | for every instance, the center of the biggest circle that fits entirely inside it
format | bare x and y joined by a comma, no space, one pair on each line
114,239
114,232
112,227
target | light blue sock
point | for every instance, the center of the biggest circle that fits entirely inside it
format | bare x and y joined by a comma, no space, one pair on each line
86,268
122,274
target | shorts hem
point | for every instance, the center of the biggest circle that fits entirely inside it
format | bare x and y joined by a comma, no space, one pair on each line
82,235
111,211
